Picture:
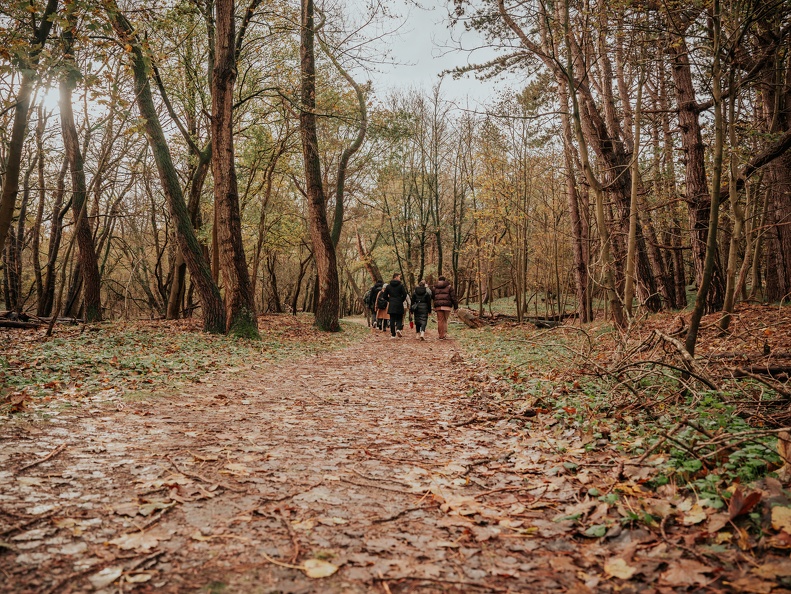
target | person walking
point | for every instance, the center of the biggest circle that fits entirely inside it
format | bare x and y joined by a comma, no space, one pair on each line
372,294
381,302
444,301
396,295
420,308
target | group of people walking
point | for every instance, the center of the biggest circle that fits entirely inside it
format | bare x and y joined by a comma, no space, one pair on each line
389,303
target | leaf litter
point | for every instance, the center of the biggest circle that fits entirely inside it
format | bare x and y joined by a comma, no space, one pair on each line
378,464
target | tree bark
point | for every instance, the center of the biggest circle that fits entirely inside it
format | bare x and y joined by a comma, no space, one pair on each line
239,300
578,238
323,248
56,233
89,264
697,192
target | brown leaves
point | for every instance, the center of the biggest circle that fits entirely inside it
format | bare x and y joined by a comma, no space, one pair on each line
685,573
740,504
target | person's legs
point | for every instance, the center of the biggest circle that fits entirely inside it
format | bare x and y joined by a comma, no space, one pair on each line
442,322
396,324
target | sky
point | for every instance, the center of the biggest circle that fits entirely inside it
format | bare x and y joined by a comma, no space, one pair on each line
424,46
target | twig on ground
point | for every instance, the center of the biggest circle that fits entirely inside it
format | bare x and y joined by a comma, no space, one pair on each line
395,516
488,587
27,523
345,480
373,478
291,533
201,478
49,456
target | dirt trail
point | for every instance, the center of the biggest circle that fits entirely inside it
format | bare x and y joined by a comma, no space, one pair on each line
372,458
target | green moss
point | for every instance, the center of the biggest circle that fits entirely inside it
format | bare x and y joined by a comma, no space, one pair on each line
244,325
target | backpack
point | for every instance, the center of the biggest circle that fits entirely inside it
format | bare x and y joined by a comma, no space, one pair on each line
382,302
367,298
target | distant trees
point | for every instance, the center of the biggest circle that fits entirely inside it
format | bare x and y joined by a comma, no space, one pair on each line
225,159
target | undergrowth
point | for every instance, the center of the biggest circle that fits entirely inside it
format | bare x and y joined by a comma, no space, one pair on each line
693,438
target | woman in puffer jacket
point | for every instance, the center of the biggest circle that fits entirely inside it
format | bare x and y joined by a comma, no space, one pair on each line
421,307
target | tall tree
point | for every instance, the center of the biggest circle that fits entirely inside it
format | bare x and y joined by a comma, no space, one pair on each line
323,249
89,264
239,301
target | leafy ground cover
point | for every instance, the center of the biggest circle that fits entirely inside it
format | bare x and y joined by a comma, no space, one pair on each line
698,446
123,360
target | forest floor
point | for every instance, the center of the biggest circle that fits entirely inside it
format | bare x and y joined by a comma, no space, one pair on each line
360,463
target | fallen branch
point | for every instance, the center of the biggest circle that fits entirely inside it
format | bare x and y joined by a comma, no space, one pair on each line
52,454
772,384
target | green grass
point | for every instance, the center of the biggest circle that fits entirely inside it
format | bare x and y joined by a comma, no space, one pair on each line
135,359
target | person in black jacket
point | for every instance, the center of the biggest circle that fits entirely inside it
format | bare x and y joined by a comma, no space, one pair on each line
420,308
396,295
373,292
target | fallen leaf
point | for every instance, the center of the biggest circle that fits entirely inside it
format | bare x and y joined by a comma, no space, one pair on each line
781,518
139,578
685,572
752,585
740,504
105,577
694,516
617,567
774,569
316,568
139,541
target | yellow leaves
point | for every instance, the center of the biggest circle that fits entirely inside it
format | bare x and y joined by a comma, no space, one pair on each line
781,518
617,567
316,568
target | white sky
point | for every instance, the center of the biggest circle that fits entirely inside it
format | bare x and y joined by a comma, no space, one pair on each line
424,46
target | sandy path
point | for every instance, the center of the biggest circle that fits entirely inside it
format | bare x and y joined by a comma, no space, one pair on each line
372,458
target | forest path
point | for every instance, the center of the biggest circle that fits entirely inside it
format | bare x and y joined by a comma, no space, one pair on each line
372,458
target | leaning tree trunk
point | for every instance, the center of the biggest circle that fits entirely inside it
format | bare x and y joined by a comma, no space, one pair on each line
239,300
323,248
213,308
89,264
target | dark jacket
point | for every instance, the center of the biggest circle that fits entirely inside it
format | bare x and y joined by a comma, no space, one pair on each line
374,291
396,295
421,302
444,295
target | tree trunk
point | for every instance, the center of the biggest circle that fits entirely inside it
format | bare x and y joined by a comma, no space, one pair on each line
213,308
42,196
323,249
89,264
712,250
697,192
47,301
239,300
16,142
